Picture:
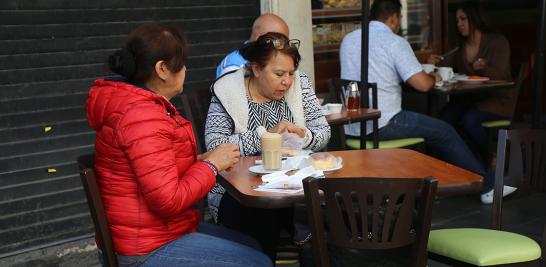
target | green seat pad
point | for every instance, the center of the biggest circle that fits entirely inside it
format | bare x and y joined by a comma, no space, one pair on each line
395,143
483,247
499,123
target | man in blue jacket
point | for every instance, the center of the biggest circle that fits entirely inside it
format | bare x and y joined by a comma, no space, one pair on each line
263,24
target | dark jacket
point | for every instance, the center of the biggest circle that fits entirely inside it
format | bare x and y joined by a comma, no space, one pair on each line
495,49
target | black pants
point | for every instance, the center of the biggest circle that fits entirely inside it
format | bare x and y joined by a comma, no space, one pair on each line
264,225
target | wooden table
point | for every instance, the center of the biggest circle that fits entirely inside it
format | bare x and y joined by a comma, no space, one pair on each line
460,88
388,163
361,115
466,87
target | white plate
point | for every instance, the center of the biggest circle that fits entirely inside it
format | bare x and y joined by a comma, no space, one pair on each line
467,80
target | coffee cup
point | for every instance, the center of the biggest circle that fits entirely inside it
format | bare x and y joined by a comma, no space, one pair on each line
334,107
446,73
271,150
428,68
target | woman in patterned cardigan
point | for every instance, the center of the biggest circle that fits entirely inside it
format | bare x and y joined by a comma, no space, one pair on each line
268,94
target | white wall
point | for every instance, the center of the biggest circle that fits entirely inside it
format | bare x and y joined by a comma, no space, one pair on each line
297,14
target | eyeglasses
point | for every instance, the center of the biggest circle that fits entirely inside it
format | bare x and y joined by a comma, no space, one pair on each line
278,43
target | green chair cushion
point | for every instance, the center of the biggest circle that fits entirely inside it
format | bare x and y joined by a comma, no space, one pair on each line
354,143
483,247
494,124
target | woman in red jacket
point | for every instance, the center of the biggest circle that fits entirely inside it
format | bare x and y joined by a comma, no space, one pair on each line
148,171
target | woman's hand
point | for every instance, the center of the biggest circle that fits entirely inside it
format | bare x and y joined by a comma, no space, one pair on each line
223,156
286,126
203,156
434,59
479,64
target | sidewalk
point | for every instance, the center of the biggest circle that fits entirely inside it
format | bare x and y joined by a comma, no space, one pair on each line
523,214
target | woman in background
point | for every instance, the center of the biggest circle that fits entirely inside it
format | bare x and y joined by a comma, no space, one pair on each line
482,52
148,172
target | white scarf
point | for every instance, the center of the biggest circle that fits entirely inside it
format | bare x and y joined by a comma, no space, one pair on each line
231,92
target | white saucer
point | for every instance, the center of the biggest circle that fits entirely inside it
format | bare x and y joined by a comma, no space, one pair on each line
259,169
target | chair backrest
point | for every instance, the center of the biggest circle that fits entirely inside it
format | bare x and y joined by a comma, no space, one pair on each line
198,102
521,156
370,213
188,114
521,72
337,91
89,181
337,88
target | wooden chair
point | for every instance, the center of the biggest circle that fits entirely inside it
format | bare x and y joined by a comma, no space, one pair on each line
198,102
336,87
195,106
103,235
370,214
492,127
520,163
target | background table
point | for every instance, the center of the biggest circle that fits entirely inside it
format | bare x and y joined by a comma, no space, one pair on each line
388,163
361,115
463,88
472,87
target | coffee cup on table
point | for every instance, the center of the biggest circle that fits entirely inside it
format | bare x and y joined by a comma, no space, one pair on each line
428,68
334,107
271,151
446,73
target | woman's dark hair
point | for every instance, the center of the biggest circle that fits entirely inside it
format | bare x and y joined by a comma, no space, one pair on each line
476,19
146,45
266,46
381,10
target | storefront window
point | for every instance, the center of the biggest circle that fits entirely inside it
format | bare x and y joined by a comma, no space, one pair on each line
335,18
415,25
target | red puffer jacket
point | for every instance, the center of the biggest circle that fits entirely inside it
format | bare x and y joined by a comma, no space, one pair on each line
146,166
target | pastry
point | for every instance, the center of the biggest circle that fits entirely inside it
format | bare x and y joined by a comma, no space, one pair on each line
323,161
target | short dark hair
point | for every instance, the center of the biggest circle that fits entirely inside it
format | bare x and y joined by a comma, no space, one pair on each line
382,9
145,46
266,46
476,18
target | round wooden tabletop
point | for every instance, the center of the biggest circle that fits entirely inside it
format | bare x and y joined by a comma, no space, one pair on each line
381,163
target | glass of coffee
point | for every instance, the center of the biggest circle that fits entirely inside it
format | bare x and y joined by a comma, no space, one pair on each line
271,150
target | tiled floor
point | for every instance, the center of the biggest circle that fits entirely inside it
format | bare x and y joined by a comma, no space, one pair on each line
522,213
